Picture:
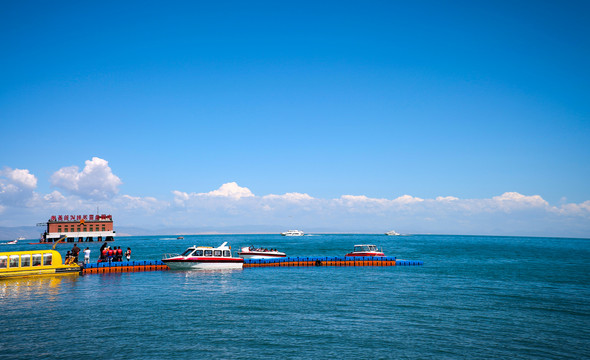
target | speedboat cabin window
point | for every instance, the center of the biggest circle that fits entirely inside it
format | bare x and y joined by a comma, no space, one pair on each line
13,261
3,262
187,252
36,259
217,253
226,253
372,248
25,260
199,253
46,259
208,252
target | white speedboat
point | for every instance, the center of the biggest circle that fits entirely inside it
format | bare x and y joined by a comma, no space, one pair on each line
204,258
366,250
259,253
293,233
392,233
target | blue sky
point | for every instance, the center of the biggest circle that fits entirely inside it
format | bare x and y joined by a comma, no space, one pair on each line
376,99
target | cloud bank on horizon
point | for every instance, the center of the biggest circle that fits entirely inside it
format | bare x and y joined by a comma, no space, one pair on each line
82,191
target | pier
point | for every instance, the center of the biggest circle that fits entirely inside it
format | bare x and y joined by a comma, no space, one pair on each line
318,261
123,266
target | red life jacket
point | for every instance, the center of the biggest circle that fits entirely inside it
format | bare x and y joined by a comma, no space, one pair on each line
104,252
119,252
110,252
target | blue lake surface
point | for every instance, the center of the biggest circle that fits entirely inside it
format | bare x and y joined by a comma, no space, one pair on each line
475,297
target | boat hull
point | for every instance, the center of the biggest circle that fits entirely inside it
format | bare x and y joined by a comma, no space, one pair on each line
365,254
203,263
261,255
72,270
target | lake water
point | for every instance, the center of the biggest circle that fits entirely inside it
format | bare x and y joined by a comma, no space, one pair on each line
475,297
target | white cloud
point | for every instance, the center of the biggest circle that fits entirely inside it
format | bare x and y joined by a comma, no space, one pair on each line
148,203
407,199
510,213
446,198
95,181
574,209
291,197
230,190
17,187
513,200
20,177
54,196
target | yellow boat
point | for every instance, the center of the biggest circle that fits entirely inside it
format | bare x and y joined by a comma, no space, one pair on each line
34,263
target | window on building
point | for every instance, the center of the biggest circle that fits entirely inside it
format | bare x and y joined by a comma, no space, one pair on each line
13,261
47,259
78,229
59,229
25,260
103,228
91,228
85,229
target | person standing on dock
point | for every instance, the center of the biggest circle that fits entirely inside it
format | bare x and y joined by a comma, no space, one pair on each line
110,254
87,255
75,253
102,256
103,253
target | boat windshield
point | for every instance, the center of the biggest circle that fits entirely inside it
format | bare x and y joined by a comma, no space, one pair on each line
187,252
364,248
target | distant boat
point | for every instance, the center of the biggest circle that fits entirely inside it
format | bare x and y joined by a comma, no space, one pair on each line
392,233
250,252
20,238
13,242
366,250
204,258
180,237
293,233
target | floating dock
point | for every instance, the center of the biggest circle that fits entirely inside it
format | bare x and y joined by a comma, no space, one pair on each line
326,261
124,266
157,265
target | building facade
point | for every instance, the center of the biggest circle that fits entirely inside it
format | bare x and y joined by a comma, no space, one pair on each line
79,228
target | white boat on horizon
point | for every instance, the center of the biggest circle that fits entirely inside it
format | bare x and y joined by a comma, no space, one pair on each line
293,233
204,258
250,252
392,233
